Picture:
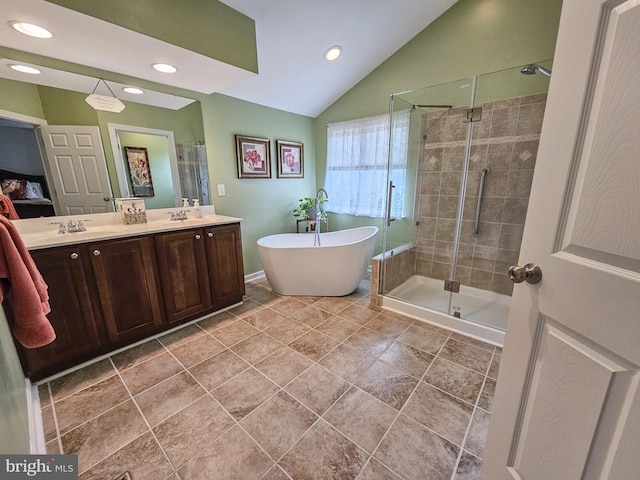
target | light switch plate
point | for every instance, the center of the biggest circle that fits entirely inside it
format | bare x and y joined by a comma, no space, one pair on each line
221,190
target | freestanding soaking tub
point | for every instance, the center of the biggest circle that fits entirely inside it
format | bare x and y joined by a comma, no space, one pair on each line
294,266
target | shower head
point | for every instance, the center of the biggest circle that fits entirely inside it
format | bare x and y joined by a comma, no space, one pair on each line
531,69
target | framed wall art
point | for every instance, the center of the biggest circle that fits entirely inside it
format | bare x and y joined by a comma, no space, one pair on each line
139,171
253,156
290,159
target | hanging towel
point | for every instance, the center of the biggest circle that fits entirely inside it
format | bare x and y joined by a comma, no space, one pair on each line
27,289
8,210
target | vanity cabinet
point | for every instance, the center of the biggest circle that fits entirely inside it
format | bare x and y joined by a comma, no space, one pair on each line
75,318
201,270
182,261
107,294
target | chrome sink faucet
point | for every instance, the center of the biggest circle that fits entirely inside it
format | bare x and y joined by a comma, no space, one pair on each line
72,226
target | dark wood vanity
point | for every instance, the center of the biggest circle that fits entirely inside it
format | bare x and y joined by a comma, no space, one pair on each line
110,293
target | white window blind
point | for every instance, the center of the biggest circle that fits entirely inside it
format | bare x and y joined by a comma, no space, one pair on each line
357,156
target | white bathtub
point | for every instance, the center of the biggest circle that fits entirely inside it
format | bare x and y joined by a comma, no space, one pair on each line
294,266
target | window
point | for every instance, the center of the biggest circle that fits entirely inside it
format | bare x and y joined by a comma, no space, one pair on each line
357,157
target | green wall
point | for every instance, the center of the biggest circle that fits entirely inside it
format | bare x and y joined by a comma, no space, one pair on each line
19,97
159,164
266,205
473,37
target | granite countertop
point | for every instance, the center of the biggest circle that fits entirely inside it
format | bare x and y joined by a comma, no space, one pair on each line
38,233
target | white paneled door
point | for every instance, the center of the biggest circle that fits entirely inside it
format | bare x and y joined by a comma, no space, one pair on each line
77,168
567,403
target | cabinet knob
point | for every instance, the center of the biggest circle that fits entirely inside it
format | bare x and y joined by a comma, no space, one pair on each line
74,256
210,234
96,252
197,236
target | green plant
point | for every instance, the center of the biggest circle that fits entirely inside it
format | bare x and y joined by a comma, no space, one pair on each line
306,208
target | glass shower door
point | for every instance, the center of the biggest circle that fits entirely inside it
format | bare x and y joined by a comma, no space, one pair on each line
419,251
502,156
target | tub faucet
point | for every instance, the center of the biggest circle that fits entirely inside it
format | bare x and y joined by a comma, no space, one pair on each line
319,215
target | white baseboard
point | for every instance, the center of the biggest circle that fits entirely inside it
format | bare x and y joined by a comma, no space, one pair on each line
254,276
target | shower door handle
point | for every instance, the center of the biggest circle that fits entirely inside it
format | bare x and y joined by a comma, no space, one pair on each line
530,273
389,193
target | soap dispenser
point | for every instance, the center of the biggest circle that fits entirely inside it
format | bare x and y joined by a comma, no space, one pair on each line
197,213
185,203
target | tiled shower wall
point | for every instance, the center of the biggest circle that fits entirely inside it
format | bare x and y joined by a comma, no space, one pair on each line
506,142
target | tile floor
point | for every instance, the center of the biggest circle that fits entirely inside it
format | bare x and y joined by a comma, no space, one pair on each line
281,387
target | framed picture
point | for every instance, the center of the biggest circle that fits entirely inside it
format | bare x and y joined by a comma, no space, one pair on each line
254,157
139,171
290,159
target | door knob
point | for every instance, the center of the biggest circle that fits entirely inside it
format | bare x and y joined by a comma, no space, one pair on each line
106,199
530,273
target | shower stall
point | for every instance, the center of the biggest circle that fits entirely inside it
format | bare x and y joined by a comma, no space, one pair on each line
468,170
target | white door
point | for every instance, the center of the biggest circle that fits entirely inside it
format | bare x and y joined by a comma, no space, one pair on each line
77,168
567,404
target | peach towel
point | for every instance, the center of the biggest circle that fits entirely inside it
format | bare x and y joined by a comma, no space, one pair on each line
8,210
28,289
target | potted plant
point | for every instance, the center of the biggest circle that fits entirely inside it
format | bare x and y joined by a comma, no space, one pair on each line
306,209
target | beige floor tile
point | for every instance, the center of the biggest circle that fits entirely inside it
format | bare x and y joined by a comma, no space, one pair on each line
323,452
214,322
311,316
278,423
486,397
82,378
317,388
203,347
142,458
256,348
369,342
244,393
358,314
287,330
187,432
444,414
234,332
469,467
288,306
276,473
408,359
458,337
332,305
232,456
495,366
422,338
347,362
264,318
338,328
388,325
284,365
247,308
48,424
145,375
387,384
53,447
477,436
82,406
183,335
360,417
466,355
374,470
455,380
168,397
314,345
216,370
416,453
138,354
104,435
43,394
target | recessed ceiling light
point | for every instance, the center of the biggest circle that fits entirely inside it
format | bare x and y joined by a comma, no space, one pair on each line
164,68
133,90
25,69
31,29
333,53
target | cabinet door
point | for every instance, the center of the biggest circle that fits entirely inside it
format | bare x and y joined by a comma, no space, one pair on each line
226,271
182,262
76,321
128,287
